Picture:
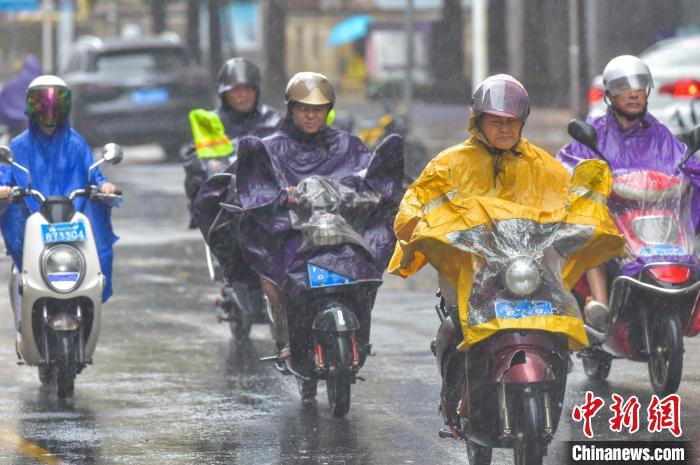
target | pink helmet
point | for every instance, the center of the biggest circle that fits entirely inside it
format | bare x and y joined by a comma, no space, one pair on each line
501,95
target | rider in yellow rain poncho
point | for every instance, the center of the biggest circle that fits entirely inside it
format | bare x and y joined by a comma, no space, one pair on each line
497,175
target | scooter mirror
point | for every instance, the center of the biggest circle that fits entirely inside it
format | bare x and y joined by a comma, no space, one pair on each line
6,156
112,153
583,132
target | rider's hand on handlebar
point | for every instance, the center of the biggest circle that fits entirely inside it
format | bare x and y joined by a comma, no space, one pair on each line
107,188
5,192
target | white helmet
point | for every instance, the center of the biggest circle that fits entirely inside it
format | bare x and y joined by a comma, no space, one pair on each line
626,72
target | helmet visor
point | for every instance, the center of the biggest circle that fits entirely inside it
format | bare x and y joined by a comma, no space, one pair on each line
630,82
502,98
49,106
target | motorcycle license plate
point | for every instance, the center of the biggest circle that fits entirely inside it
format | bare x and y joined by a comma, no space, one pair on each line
150,96
63,232
320,277
522,308
663,250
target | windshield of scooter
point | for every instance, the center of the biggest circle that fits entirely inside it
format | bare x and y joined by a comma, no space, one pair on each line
653,211
518,269
328,213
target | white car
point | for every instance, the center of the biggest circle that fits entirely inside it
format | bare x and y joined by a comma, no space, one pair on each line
675,98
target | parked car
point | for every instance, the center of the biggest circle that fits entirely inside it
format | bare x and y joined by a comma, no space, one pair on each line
134,91
675,66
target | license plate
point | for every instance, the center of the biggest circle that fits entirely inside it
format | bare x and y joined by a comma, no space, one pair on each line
63,232
320,277
150,96
522,308
663,250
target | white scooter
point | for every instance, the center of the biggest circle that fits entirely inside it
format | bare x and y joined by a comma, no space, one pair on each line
57,297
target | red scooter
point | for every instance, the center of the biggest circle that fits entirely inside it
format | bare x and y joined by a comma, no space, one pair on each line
507,390
654,298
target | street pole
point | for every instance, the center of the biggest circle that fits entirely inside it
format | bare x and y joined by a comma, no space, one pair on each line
46,37
574,59
480,47
408,76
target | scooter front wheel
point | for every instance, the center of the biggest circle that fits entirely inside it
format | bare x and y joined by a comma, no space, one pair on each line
339,376
528,447
666,359
478,454
66,366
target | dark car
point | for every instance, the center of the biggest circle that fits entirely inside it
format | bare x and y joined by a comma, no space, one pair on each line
134,91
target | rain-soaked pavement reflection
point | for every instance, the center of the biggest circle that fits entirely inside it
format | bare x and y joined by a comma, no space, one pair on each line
169,386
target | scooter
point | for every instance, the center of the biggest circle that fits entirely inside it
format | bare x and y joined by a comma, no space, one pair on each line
507,389
243,304
329,321
59,292
654,299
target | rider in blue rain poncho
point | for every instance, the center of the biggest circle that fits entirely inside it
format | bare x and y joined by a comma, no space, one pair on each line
58,159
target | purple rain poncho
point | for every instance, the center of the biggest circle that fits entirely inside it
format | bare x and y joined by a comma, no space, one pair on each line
13,95
648,146
258,224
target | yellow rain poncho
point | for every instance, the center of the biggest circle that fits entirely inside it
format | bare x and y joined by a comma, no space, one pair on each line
458,195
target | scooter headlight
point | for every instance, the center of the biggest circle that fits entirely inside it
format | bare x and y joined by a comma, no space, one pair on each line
63,267
523,276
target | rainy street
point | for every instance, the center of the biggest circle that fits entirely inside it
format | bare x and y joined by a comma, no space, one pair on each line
169,386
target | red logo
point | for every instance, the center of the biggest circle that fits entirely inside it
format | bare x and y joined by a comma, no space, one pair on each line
665,414
587,411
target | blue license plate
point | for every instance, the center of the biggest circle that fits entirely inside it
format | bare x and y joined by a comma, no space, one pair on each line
63,232
663,250
320,277
522,308
150,96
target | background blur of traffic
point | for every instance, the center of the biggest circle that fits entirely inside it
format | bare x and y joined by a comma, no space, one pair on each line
137,67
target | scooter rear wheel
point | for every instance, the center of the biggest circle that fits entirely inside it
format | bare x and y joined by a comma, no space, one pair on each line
478,454
307,388
45,375
528,447
666,359
340,377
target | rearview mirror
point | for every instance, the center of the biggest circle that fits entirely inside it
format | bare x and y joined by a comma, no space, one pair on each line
112,153
6,156
583,132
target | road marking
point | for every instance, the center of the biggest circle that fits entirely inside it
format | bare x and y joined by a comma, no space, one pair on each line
29,449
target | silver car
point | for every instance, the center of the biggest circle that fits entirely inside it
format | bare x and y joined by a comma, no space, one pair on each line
675,98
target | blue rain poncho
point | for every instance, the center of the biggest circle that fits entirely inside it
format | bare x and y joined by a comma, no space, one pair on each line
58,165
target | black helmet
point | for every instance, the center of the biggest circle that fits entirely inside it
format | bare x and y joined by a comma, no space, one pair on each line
237,71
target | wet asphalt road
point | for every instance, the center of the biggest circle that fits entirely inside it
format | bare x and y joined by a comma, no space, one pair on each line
169,386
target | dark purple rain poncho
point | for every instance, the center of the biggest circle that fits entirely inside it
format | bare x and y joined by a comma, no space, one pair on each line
13,95
648,146
256,203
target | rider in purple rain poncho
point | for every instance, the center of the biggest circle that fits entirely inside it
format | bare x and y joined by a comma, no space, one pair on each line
266,174
631,139
12,96
58,160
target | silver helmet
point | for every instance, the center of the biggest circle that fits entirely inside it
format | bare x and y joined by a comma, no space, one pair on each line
624,73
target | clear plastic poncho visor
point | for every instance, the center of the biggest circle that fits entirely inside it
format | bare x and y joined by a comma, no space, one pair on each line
501,96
